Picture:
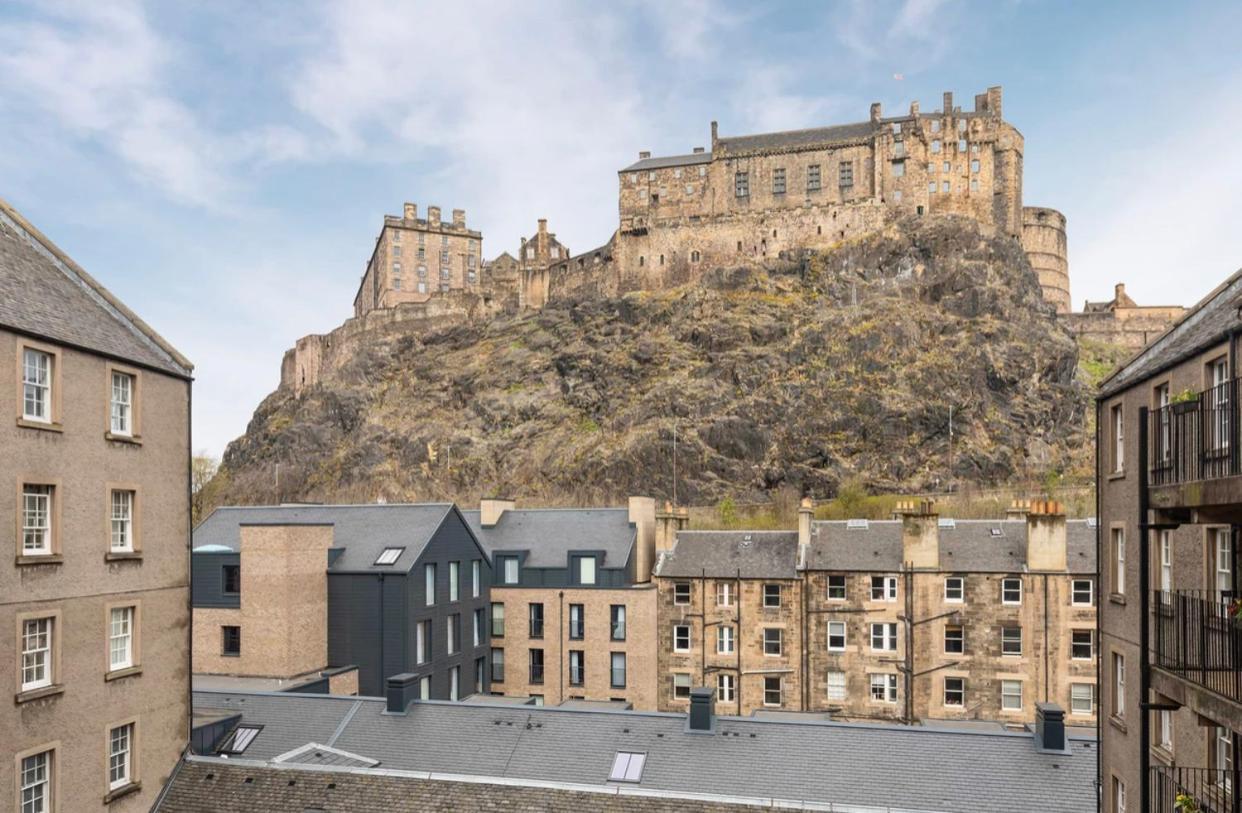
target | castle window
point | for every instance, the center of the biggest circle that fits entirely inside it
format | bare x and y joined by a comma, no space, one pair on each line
845,174
642,261
396,269
444,273
422,238
741,184
944,186
422,272
948,167
974,148
694,256
896,128
930,167
935,125
974,165
974,184
422,287
661,259
819,229
396,235
444,239
422,252
812,178
396,251
677,172
642,194
919,210
896,196
899,169
396,283
899,149
935,147
655,198
633,177
961,125
739,245
961,145
778,181
444,257
702,172
444,286
651,176
931,187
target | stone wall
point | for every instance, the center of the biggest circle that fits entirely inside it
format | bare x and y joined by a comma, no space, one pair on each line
1043,239
1124,327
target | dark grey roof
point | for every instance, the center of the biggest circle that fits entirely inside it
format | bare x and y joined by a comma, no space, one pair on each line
795,139
664,161
967,547
550,533
745,760
753,554
1204,325
363,531
45,293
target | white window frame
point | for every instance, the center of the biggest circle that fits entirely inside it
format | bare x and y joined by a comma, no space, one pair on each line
512,570
429,584
476,578
1006,640
887,636
37,508
120,756
724,594
770,590
726,688
887,587
780,691
587,573
773,635
887,684
724,640
1007,695
837,684
1076,691
1007,587
1166,561
843,587
949,596
38,653
122,520
681,633
454,581
35,782
1222,554
681,686
1164,729
1119,686
1090,592
1119,796
121,638
681,593
1118,540
121,407
37,385
961,638
844,635
1090,644
1118,419
960,691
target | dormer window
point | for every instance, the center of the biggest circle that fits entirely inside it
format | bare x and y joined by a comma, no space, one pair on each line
509,571
586,570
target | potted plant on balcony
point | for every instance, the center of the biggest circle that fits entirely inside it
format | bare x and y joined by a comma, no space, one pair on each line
1235,608
1185,401
1185,803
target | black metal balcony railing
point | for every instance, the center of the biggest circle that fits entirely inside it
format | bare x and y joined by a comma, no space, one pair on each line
1204,790
1196,439
1195,636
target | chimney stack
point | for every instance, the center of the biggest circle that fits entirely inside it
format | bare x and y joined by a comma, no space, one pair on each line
543,225
875,111
920,534
668,523
642,517
401,690
1045,536
715,131
433,215
914,109
1050,728
948,104
459,218
492,508
994,101
701,720
410,212
806,513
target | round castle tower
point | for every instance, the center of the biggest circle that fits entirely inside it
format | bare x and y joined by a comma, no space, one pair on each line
1043,238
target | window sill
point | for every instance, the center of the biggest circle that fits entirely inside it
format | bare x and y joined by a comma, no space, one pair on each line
1117,475
124,790
118,674
132,440
1162,755
230,654
45,559
38,694
123,556
1118,723
52,426
1117,598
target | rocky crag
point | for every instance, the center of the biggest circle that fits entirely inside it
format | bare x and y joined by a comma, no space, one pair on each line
795,373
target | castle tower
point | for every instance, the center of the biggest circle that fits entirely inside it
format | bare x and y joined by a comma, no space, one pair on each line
1043,239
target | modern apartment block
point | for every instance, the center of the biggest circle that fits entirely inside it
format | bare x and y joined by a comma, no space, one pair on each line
94,620
1170,491
912,619
572,607
299,592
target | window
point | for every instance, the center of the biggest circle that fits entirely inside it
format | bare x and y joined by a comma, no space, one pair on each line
884,688
120,638
1119,685
422,642
935,125
1082,698
498,664
778,181
961,145
480,668
1082,644
477,627
899,169
616,677
741,184
36,385
577,622
884,637
586,570
617,622
1166,561
1011,591
36,520
1222,549
577,667
36,783
772,639
455,683
812,178
120,743
946,186
1119,796
1118,439
389,556
1164,729
896,196
974,184
1011,695
845,174
772,691
961,125
836,636
899,149
724,594
627,766
230,576
454,581
422,287
955,691
536,666
935,146
1222,755
1081,593
681,638
948,166
883,588
452,634
954,589
974,165
535,612
771,596
231,636
37,663
1119,560
1011,640
724,640
122,403
510,570
498,619
681,686
429,583
896,128
726,688
954,640
681,593
836,686
931,187
836,587
476,578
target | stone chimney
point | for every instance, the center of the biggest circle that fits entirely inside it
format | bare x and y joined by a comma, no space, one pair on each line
643,518
914,109
701,719
994,101
400,690
543,226
1045,536
668,522
806,513
715,135
920,534
492,508
948,104
1050,728
642,154
1018,509
875,111
698,150
433,215
410,212
459,218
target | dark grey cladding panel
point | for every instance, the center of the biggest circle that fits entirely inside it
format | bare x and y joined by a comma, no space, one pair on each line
207,580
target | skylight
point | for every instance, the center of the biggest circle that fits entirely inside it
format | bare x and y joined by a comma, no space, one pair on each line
996,532
389,556
947,522
627,766
856,524
240,739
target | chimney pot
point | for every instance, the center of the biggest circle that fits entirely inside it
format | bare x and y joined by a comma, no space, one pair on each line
701,719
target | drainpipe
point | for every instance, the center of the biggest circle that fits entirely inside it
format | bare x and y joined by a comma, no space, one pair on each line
1046,647
562,637
806,677
909,625
382,677
703,628
738,642
1144,610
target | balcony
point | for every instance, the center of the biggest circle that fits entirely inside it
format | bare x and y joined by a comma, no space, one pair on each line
1193,446
1205,790
1195,637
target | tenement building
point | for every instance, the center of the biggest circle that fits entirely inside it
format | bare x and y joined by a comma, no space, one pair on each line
1170,493
94,625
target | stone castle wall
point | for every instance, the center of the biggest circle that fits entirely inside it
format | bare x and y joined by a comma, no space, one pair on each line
1132,328
1043,239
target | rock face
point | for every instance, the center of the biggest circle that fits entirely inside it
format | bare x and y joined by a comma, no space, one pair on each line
796,372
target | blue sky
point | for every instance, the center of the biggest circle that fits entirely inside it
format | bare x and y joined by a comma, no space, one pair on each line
223,167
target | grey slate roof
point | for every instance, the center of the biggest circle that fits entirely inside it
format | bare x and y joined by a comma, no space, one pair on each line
46,294
1204,325
550,533
841,763
969,547
663,161
753,554
363,531
794,139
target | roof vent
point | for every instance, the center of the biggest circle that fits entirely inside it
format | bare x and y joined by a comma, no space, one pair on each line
996,532
947,522
856,524
1092,522
746,541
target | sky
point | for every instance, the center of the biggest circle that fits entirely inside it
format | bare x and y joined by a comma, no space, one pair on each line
224,167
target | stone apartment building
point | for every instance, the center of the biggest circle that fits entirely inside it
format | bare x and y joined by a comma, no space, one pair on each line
1170,503
94,626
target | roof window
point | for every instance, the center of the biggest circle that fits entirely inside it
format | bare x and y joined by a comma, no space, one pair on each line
856,524
240,739
947,522
389,556
627,766
996,532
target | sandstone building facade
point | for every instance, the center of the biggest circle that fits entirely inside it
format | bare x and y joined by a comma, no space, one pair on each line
94,625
